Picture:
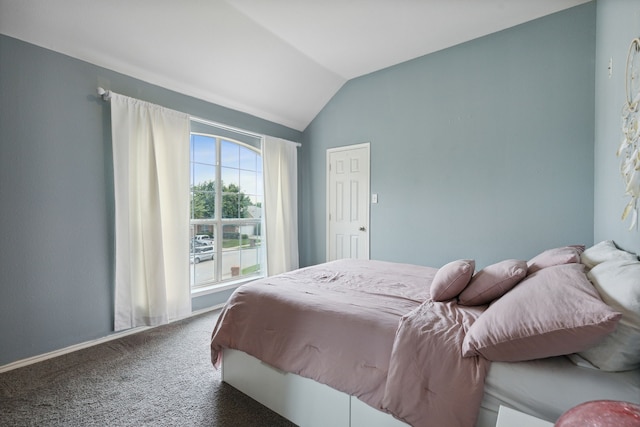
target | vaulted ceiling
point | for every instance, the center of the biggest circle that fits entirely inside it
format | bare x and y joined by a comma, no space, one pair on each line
281,60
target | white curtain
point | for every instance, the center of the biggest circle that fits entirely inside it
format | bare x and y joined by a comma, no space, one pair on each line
280,171
151,182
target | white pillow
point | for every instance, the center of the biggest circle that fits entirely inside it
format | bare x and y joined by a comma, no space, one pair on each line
605,251
618,283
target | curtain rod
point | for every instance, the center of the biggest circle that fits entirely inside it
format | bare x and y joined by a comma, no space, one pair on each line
106,96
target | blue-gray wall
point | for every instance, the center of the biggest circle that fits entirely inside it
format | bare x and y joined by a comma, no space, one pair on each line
56,195
484,150
618,22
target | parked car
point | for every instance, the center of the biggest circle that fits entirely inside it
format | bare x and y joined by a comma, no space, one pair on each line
204,238
202,253
195,244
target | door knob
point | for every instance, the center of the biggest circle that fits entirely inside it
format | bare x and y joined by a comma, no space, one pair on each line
363,228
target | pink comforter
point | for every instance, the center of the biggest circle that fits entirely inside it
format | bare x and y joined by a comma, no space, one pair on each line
367,328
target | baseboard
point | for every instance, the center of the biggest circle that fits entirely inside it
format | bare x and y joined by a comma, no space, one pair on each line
50,355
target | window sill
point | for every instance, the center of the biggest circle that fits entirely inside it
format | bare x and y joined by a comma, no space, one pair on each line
220,287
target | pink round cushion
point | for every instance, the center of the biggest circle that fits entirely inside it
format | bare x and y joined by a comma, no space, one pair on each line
601,413
451,279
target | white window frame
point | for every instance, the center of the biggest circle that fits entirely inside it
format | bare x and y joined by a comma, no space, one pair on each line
219,282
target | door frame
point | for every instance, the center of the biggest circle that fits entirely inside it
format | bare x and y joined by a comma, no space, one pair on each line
366,145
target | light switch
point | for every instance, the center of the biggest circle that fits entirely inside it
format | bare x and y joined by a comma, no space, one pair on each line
374,198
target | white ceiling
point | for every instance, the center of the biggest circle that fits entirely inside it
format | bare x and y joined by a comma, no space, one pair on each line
281,60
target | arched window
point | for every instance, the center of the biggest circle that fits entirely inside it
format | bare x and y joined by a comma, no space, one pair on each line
226,210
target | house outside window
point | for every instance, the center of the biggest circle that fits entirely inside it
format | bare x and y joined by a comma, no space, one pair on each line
226,211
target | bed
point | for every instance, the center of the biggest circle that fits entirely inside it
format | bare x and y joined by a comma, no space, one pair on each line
373,343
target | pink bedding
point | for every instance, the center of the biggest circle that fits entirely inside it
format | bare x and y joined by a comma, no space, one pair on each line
429,382
367,328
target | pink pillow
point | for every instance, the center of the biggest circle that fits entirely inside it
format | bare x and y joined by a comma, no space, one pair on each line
451,279
557,256
553,312
493,281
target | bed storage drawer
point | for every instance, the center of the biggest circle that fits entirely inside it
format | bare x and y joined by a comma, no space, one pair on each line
302,401
363,415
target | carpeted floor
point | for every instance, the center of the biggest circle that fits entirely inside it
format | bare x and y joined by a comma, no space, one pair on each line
160,377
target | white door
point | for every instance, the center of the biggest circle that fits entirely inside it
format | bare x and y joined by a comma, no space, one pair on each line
348,202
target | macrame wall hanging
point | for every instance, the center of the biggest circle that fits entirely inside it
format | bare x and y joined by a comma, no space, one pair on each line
629,150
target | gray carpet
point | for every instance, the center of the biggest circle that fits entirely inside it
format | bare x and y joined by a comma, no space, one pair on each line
159,377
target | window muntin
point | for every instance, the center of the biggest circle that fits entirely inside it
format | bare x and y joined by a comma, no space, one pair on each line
231,210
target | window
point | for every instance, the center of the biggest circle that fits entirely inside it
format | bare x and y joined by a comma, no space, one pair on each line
226,210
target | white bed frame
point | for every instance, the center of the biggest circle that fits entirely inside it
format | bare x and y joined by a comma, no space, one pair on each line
306,402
